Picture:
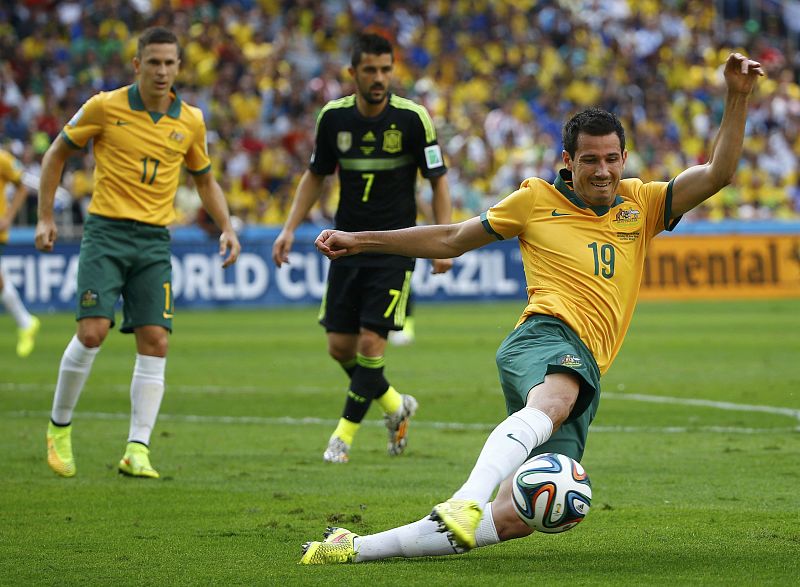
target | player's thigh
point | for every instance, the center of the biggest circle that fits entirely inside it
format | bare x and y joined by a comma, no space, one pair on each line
538,347
103,263
147,292
341,304
384,298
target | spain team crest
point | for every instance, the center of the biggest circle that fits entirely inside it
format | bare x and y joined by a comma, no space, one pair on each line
392,141
344,140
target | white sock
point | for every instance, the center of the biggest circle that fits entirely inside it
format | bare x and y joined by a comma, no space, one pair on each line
14,305
420,538
486,533
76,363
504,451
147,389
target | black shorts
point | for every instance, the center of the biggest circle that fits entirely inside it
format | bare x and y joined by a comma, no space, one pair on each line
372,297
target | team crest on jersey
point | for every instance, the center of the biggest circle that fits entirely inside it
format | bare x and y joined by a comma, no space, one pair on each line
89,299
392,141
570,361
176,136
626,218
344,140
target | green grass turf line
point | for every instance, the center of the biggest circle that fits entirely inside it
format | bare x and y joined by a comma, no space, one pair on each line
683,494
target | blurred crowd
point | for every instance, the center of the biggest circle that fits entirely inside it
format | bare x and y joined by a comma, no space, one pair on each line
498,77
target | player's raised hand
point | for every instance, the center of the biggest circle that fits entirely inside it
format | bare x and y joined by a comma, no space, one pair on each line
741,73
229,244
335,243
45,236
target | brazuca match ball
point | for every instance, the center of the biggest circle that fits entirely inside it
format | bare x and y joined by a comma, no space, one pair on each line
552,492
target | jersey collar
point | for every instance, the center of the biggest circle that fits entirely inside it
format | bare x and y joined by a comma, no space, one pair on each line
563,184
136,103
382,113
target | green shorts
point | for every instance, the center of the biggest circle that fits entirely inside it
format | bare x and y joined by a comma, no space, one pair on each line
537,347
127,258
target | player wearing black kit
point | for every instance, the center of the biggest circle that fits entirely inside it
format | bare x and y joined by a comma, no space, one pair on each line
377,141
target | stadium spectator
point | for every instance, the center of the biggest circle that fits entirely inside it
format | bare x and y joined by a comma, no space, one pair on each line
579,308
282,54
378,141
125,246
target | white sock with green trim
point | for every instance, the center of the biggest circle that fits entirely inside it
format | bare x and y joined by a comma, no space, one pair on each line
147,390
76,363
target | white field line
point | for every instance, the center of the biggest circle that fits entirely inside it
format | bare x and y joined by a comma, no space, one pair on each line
289,421
728,406
705,403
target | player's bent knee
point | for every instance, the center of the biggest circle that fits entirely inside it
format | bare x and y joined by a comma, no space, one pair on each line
93,331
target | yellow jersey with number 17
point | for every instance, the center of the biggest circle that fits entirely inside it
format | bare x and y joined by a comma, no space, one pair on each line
10,171
138,154
583,264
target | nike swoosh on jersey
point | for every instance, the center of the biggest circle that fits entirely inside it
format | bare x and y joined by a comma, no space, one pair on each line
122,123
554,213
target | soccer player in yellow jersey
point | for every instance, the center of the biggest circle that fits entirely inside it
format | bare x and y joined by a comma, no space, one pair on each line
142,135
583,241
27,325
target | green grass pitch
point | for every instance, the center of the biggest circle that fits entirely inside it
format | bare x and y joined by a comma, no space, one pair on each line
694,456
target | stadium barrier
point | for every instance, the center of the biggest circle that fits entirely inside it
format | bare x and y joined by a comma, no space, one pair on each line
758,260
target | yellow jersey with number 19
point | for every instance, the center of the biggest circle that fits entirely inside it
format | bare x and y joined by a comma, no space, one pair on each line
583,265
138,154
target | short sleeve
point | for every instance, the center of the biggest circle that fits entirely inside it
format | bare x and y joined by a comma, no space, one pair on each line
429,159
656,198
196,158
509,217
86,123
10,168
323,159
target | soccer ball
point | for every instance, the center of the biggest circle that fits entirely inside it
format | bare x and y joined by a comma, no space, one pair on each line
552,492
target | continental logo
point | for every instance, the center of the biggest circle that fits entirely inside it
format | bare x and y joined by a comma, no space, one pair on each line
724,266
626,218
89,299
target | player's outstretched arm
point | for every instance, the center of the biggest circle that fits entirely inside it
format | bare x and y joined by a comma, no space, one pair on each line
13,207
703,181
214,202
438,241
442,214
308,192
52,168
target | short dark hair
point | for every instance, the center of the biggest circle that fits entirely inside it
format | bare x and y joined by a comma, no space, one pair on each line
156,35
592,121
371,44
